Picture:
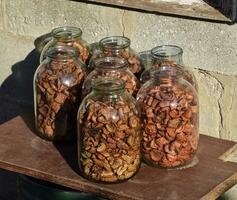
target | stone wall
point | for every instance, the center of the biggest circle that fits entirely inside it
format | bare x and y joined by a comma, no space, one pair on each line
210,48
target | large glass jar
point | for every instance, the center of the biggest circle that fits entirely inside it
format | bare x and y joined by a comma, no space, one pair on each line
108,132
112,67
57,86
169,108
118,46
69,36
168,55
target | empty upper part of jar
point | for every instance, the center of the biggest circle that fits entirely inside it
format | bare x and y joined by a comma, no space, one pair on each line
167,71
167,75
170,53
114,43
62,52
108,85
110,63
66,33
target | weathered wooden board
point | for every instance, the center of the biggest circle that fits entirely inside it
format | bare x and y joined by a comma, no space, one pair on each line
206,9
23,152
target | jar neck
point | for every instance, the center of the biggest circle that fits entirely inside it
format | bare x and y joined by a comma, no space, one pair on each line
66,33
110,64
168,55
108,86
166,75
114,44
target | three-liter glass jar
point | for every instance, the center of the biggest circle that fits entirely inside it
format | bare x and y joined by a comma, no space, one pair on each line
118,46
57,86
169,113
69,36
112,67
168,55
108,132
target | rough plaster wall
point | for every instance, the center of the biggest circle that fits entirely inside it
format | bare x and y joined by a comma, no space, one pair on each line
210,48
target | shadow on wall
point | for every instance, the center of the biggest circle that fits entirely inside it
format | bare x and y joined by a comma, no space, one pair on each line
16,92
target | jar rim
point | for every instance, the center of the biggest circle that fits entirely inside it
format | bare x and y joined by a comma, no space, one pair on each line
114,42
164,51
110,63
108,84
61,52
66,32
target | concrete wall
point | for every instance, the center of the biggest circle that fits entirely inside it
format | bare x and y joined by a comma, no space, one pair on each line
209,48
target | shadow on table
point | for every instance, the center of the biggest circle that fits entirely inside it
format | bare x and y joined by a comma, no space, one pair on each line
69,152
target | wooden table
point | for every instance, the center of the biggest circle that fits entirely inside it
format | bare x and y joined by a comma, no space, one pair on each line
23,152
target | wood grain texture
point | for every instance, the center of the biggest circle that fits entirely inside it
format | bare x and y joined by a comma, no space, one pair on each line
23,152
202,10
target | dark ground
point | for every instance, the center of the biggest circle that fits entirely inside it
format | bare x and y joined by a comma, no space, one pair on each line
8,185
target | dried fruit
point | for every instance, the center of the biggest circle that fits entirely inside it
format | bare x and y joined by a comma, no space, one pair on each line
57,94
169,124
117,154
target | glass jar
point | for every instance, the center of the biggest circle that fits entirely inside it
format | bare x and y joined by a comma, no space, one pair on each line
69,36
168,55
118,46
169,109
112,67
108,132
57,85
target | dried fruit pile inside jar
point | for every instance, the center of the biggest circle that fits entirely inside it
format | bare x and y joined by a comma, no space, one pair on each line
57,85
170,119
108,133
